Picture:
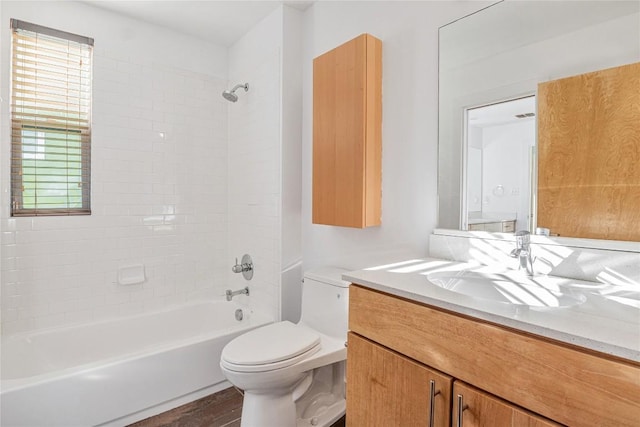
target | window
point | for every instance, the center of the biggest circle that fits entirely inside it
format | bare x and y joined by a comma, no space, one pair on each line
50,121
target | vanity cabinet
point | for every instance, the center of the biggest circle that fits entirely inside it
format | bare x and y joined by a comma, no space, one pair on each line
388,389
347,134
498,370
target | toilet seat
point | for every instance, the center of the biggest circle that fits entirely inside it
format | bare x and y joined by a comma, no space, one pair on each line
275,346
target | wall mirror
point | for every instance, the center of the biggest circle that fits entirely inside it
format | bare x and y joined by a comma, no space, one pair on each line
491,63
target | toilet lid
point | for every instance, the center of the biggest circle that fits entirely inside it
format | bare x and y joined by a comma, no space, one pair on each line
270,344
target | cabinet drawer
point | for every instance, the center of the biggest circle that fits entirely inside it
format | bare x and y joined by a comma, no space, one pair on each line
559,382
508,226
493,227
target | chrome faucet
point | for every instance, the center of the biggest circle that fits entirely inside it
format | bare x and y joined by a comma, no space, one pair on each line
523,251
230,294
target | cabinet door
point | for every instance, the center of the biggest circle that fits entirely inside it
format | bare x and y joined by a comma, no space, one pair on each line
475,408
387,389
347,134
588,149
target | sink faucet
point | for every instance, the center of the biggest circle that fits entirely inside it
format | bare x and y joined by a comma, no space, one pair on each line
523,251
230,294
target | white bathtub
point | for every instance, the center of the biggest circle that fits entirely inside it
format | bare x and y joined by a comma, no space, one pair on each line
119,371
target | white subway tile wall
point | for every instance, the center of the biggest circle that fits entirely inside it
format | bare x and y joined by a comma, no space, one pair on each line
159,197
254,180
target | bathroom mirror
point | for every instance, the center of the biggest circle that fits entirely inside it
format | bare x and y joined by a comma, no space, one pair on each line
497,57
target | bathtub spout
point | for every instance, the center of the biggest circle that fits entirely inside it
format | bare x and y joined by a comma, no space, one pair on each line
230,294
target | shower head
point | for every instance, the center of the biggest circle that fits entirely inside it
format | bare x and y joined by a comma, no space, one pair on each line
230,95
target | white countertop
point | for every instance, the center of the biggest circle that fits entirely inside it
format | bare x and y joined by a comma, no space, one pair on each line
607,322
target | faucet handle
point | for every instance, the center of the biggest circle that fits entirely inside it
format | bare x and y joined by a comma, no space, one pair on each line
523,237
246,267
237,268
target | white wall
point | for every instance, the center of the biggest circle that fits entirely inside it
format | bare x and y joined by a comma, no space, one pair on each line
264,161
409,34
506,163
254,161
160,202
291,175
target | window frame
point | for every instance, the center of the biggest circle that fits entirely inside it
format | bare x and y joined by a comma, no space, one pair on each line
19,125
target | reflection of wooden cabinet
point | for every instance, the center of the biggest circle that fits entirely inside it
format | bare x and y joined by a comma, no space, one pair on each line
388,389
480,409
517,372
498,226
588,151
347,128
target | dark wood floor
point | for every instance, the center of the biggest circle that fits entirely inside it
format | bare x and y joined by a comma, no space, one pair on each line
222,409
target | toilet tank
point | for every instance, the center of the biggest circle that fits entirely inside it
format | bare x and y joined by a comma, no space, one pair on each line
325,301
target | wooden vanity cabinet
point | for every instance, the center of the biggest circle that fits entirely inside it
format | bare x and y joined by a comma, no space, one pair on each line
347,134
519,374
387,389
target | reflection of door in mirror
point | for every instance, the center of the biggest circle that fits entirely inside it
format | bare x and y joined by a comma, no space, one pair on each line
499,141
589,146
474,177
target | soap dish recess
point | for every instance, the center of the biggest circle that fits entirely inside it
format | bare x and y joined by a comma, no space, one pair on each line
131,274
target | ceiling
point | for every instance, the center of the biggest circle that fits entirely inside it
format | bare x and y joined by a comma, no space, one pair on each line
503,113
217,21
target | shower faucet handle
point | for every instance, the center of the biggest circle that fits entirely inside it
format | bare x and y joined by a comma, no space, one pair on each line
237,268
245,267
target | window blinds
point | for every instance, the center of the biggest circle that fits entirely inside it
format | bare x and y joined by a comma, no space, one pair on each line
50,121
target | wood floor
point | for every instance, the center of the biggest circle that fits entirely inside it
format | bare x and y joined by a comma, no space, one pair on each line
222,409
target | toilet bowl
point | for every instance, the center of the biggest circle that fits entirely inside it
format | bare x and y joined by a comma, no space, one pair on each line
293,375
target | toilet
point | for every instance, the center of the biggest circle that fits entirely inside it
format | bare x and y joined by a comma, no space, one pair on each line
293,375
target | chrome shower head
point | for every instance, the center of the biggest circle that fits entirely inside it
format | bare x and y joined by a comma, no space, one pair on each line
230,95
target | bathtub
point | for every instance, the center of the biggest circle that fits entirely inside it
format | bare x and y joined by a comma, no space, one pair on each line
116,372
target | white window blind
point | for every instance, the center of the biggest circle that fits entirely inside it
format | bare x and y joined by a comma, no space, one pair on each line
50,121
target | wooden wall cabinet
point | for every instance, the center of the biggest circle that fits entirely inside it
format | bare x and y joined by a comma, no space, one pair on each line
505,378
347,140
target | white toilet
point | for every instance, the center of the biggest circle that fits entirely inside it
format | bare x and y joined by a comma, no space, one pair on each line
293,374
